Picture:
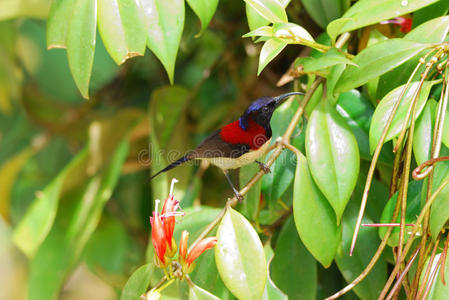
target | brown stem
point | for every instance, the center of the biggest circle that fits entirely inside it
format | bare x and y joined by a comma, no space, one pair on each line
402,276
412,236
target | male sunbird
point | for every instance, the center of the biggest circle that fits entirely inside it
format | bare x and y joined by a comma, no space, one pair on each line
240,142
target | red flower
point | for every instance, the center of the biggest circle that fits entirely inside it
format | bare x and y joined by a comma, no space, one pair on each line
158,235
163,226
405,23
168,218
187,260
200,247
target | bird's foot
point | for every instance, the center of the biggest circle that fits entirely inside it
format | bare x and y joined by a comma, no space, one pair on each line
238,196
266,169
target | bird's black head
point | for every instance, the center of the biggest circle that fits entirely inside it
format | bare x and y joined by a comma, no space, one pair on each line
261,110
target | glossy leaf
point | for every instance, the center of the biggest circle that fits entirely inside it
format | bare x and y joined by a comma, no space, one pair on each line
413,210
276,183
333,156
138,283
69,236
38,220
250,206
377,60
197,293
272,292
351,266
291,33
439,214
323,11
422,138
204,9
122,28
293,269
271,10
433,31
260,31
205,273
330,58
437,9
165,22
445,137
269,51
367,12
255,20
81,40
58,23
240,257
385,107
314,217
357,112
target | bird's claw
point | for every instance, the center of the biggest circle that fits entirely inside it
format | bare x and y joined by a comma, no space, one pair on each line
239,197
266,169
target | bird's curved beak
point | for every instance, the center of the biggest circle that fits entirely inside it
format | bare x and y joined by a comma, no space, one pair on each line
281,98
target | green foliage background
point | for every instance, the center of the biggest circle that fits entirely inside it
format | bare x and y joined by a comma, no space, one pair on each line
160,75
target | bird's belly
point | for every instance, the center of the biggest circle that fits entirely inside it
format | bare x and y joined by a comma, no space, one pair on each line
226,163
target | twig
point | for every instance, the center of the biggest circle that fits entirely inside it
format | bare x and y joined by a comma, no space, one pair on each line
401,278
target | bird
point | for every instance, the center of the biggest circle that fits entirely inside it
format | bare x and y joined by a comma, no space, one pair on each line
240,142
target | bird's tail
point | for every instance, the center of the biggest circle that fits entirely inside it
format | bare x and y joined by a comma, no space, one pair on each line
172,165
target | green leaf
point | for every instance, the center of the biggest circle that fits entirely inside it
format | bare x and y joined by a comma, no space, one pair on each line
439,214
293,269
38,220
413,210
439,8
276,183
323,11
351,266
255,20
333,156
168,125
73,229
24,8
367,12
205,273
165,22
272,292
291,33
330,58
122,28
204,9
9,172
422,138
269,51
385,107
197,293
377,60
240,257
138,283
433,31
81,43
58,23
314,218
250,206
260,31
445,137
271,10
